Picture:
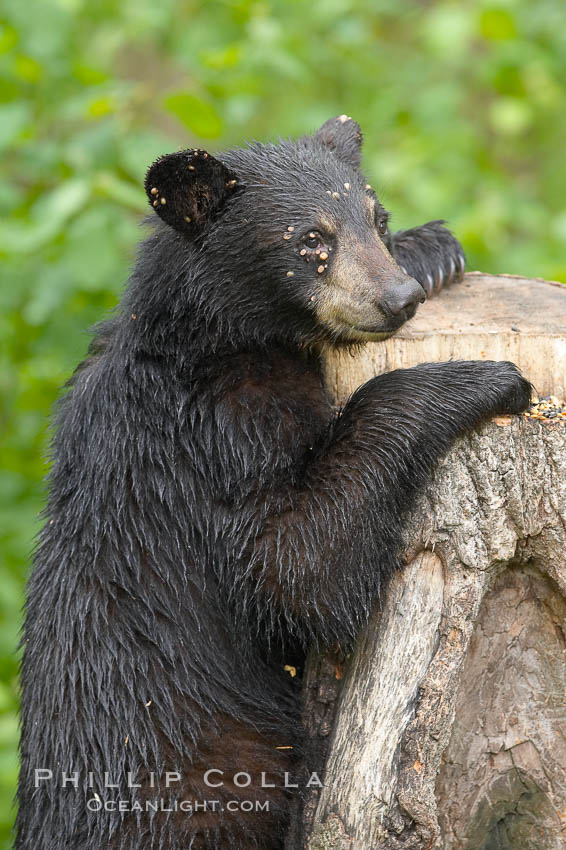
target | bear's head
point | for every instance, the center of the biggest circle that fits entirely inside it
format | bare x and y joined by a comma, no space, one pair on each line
289,233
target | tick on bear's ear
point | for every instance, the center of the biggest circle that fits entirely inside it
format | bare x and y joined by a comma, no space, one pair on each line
188,188
344,137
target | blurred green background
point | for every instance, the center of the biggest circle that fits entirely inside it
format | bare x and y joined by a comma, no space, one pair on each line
463,107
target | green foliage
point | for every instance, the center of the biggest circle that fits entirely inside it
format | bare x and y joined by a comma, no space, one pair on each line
462,105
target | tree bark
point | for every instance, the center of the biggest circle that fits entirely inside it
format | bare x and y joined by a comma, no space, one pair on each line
447,728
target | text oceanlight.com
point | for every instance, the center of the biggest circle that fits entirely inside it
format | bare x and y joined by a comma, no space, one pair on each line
95,804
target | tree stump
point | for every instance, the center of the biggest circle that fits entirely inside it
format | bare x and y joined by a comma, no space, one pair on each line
450,719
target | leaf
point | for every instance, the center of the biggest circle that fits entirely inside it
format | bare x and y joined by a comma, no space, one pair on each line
127,194
62,202
497,24
14,118
198,115
47,217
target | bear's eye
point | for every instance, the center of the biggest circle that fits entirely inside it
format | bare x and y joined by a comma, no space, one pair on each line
382,226
312,239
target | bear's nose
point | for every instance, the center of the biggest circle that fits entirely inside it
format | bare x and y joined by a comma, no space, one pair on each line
403,296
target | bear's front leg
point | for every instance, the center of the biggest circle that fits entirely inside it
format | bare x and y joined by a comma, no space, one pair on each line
323,553
430,254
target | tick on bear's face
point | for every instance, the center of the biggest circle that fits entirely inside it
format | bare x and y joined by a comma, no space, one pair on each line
312,227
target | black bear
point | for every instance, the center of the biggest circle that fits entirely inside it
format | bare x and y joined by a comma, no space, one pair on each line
210,513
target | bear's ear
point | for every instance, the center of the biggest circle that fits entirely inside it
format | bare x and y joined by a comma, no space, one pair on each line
343,136
187,189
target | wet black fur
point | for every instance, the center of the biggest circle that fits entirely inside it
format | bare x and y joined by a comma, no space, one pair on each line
430,254
210,515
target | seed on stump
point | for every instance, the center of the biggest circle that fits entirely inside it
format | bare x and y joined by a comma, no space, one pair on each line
545,409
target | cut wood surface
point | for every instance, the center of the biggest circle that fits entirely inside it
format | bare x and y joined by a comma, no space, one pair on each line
486,317
449,727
